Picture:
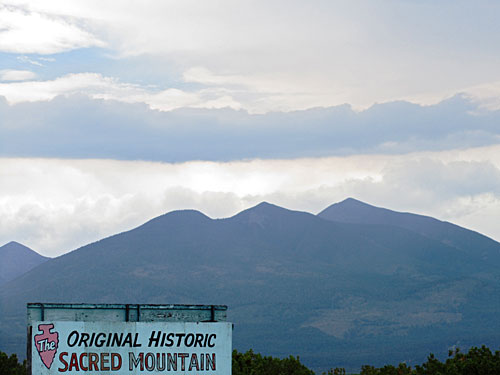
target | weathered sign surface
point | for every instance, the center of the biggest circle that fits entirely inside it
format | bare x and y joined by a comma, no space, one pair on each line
100,342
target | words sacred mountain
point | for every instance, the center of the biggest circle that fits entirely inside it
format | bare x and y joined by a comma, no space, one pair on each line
119,348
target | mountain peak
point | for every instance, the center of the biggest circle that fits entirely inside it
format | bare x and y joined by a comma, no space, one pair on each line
13,246
352,201
264,208
16,259
348,210
178,217
264,213
353,211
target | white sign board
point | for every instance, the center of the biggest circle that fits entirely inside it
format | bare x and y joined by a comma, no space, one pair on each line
126,348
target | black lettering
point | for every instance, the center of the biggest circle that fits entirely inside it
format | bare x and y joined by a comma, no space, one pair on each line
199,340
117,339
84,337
136,344
189,340
100,339
154,338
170,341
128,340
212,336
180,336
76,336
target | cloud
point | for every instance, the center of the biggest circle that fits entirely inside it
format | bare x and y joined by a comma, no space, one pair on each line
76,126
279,55
16,75
56,205
26,59
35,32
100,87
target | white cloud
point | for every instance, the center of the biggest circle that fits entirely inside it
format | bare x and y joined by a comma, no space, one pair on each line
55,205
16,75
35,32
282,55
487,95
100,87
26,59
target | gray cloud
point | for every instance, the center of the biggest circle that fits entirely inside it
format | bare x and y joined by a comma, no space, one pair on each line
80,127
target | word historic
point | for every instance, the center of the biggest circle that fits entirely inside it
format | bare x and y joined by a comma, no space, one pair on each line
157,338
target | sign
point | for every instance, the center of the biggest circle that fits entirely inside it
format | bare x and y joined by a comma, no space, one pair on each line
130,348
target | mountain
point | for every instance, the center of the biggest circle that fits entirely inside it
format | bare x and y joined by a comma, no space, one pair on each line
354,211
16,259
335,293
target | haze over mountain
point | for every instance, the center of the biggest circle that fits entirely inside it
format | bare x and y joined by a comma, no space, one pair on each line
16,259
335,293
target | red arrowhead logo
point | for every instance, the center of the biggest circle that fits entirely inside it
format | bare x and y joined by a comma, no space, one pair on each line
46,343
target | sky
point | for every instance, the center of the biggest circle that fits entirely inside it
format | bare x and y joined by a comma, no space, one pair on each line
114,112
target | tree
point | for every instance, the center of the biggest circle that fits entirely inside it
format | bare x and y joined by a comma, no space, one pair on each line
250,363
11,366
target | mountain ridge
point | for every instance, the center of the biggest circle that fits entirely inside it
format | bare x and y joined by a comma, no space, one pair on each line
354,211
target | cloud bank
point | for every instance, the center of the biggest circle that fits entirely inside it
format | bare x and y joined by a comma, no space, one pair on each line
56,205
80,127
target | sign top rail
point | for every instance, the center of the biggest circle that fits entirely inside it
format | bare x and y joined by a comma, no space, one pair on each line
125,312
123,306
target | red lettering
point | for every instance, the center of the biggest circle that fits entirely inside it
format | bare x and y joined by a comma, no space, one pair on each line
84,368
93,361
104,361
73,363
61,359
118,364
183,357
194,363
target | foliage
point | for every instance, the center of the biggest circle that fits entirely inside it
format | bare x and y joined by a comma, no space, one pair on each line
250,363
10,365
478,361
336,371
